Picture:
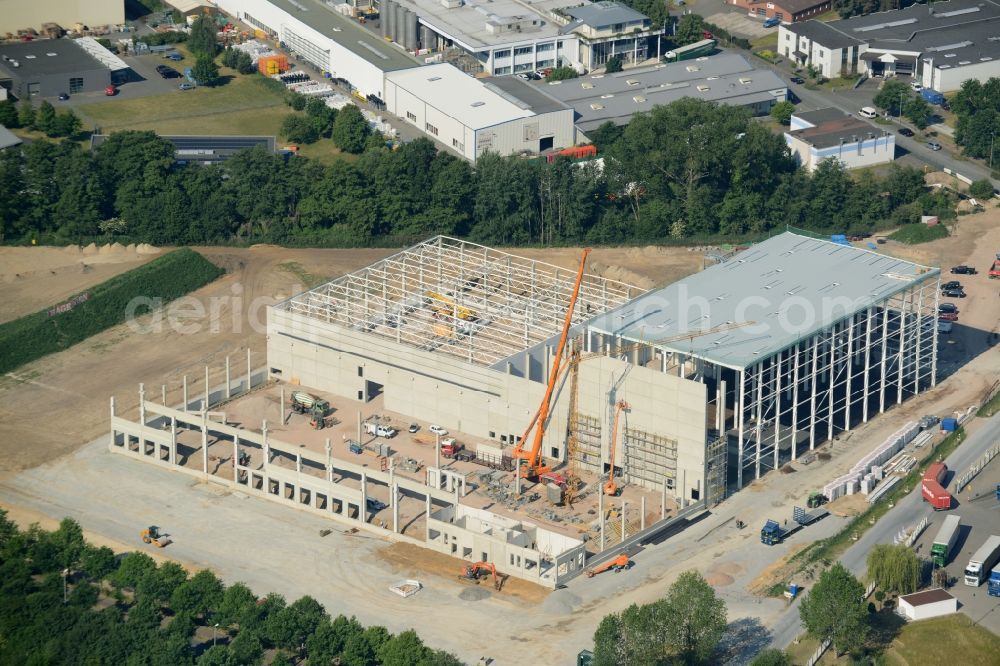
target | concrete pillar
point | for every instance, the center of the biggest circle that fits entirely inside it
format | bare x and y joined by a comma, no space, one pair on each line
281,407
363,510
111,442
427,518
642,516
663,500
184,407
229,390
437,454
173,441
207,389
600,512
142,406
236,458
267,447
204,442
683,494
624,504
249,370
394,500
392,481
163,394
720,408
329,461
517,476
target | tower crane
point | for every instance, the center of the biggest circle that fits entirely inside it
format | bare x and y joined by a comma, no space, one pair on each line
534,465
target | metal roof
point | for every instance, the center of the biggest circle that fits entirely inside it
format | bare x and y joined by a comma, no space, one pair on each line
101,54
790,286
605,14
467,99
845,130
7,138
46,56
526,93
467,23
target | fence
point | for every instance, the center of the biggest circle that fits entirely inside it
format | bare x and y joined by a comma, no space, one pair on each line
964,480
909,537
825,645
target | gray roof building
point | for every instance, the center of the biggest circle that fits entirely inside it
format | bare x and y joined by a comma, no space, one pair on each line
48,67
725,79
604,14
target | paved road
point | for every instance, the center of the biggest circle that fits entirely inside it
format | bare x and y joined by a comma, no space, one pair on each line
908,512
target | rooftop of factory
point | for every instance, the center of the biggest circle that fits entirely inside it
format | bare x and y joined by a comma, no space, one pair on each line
46,57
453,297
838,131
765,299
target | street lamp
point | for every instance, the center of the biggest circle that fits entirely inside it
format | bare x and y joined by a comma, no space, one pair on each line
901,104
215,631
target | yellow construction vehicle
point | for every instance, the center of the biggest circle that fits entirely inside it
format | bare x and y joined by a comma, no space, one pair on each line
450,317
153,535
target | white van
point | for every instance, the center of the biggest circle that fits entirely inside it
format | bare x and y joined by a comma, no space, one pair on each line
379,430
867,112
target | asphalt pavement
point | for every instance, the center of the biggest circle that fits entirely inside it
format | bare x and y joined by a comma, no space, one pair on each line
909,511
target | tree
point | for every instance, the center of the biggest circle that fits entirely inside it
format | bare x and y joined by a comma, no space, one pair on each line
199,595
771,657
613,65
893,96
202,37
895,568
689,30
350,130
918,110
26,114
160,586
98,563
68,541
299,129
217,655
246,648
237,602
132,569
834,609
45,118
561,74
981,189
782,112
205,71
8,114
67,124
699,618
403,649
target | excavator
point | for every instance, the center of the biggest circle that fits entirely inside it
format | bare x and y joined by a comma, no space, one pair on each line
617,564
153,535
534,466
473,572
611,488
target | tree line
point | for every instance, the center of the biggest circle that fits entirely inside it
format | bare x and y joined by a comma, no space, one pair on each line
688,171
977,106
64,601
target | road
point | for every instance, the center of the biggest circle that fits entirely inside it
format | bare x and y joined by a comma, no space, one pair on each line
908,512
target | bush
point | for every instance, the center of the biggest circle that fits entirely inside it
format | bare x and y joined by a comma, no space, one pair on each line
912,234
981,189
561,74
613,65
161,38
160,281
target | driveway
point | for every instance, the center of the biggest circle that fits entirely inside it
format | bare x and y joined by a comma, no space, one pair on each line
740,25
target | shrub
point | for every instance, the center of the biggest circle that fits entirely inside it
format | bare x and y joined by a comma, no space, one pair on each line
981,189
561,74
911,234
160,281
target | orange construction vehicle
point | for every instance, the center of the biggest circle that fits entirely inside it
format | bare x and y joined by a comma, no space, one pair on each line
534,466
617,564
473,572
611,488
153,535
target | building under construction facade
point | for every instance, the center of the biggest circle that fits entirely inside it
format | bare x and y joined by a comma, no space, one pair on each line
707,383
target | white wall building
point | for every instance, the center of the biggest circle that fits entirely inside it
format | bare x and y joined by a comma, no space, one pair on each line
815,136
470,116
927,604
326,39
939,45
19,14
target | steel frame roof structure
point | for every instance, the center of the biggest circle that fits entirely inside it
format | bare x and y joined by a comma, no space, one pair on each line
514,302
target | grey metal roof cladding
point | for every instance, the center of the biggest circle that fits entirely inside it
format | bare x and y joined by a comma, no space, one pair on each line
820,115
824,33
526,93
604,14
790,286
46,56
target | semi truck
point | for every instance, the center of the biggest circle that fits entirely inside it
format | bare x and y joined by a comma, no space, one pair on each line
932,490
945,540
703,48
774,533
982,562
994,583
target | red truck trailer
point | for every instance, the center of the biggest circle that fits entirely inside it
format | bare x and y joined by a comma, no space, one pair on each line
995,269
931,487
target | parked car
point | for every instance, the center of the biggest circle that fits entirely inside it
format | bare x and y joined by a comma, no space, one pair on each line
944,327
954,293
934,145
916,86
906,131
438,430
63,97
798,80
176,57
948,316
868,112
186,86
947,307
413,428
929,422
963,270
954,284
771,22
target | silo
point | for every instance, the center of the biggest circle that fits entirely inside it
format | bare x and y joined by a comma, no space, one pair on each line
411,31
399,26
388,14
383,21
426,37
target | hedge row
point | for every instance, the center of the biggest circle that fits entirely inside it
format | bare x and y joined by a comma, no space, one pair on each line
36,335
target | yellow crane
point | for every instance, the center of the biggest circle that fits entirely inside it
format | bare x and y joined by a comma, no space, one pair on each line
446,307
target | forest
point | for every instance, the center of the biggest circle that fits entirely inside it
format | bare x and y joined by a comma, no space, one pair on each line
64,601
686,172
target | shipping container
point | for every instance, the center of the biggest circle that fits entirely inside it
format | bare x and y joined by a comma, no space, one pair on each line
272,64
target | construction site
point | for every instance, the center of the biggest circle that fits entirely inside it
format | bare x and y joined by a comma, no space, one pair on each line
539,421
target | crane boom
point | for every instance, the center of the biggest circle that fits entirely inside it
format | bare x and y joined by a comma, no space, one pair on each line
611,488
533,457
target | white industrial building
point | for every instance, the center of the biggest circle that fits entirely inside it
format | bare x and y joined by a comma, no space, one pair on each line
927,604
325,38
814,136
471,116
19,14
939,45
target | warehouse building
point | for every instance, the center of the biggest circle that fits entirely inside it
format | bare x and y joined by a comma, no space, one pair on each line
18,15
324,38
939,46
472,117
48,67
786,11
814,136
724,79
727,374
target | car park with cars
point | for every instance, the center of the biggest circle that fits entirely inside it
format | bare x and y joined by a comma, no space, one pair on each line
948,307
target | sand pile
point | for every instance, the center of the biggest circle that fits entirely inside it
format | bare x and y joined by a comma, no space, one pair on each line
146,248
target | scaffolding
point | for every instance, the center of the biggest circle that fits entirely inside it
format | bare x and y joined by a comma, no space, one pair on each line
649,459
459,298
